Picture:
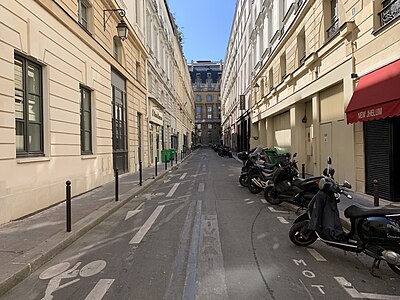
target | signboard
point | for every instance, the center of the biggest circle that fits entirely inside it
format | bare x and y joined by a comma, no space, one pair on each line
242,102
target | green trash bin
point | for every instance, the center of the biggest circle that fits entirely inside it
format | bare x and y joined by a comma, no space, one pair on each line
184,149
165,155
172,152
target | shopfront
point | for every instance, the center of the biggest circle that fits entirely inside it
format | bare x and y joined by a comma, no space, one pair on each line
376,103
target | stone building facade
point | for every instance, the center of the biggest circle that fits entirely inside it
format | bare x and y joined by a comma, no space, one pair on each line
298,65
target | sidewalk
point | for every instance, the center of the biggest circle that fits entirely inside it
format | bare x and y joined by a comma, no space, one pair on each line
27,244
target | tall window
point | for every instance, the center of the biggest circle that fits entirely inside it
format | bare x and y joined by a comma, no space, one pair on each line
271,78
28,107
334,19
117,48
86,121
301,47
83,13
198,98
283,65
209,98
198,112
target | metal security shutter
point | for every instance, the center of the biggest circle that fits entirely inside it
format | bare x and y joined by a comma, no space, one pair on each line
378,156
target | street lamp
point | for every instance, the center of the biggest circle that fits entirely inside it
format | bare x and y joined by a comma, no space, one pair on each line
122,27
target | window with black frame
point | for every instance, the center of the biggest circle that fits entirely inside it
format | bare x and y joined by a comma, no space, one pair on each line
86,121
28,107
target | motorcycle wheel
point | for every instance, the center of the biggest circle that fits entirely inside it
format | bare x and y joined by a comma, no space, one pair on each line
395,268
270,197
243,180
295,234
253,188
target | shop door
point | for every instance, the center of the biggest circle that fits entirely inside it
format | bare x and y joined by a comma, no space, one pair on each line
326,144
119,131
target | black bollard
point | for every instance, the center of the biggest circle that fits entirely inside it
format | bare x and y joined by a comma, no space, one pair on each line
172,161
140,173
176,157
165,163
303,173
376,192
116,183
156,166
68,204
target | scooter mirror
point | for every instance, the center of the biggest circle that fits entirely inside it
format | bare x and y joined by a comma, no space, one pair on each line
347,184
294,155
329,160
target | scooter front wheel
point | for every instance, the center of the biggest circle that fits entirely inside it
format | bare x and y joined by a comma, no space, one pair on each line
271,197
253,188
243,180
300,236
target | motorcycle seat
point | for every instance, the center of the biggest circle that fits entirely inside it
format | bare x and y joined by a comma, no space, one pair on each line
355,211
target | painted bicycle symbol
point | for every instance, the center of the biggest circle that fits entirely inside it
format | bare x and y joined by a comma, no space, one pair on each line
62,271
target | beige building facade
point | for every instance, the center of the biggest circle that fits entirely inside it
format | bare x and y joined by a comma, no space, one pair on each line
306,58
74,101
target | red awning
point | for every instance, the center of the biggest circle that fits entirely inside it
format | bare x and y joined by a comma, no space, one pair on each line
377,95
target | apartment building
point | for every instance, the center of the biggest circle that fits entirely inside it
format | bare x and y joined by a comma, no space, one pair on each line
170,96
206,77
307,59
74,100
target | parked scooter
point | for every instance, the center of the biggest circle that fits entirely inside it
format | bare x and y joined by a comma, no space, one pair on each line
286,185
250,159
224,151
374,231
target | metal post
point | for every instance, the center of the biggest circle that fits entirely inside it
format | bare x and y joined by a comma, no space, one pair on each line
303,173
156,165
172,161
376,192
68,204
140,173
181,156
116,184
176,157
165,160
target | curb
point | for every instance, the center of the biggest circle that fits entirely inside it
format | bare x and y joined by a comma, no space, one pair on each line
23,266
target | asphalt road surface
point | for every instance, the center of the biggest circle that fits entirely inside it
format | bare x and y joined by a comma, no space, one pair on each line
198,234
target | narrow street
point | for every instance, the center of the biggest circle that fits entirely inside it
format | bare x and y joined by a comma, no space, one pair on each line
198,234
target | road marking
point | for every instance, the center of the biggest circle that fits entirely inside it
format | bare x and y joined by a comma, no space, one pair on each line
282,220
348,287
100,289
146,226
201,187
249,202
278,211
183,176
263,201
211,273
316,255
172,191
132,213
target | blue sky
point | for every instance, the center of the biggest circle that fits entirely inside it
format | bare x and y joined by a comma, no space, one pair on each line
206,25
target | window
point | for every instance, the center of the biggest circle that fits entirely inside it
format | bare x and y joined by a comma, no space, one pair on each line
28,107
209,109
199,126
198,112
283,66
334,20
198,98
83,13
209,98
117,48
390,11
301,47
209,126
209,116
271,79
86,121
138,71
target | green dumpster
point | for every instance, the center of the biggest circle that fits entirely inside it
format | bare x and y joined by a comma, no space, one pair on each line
165,155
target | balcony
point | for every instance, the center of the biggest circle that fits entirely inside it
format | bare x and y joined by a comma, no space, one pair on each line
390,12
333,29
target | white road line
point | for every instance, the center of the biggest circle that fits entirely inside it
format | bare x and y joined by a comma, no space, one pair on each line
249,202
348,287
146,226
100,289
278,211
172,191
316,255
263,201
282,220
201,187
183,176
132,213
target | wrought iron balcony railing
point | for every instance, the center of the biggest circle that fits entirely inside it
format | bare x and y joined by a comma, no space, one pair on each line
333,29
390,12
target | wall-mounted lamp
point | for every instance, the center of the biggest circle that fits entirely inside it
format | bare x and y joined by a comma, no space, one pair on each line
304,120
122,27
256,87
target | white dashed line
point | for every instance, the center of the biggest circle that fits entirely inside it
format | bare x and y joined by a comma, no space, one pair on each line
283,220
183,176
316,255
172,191
146,226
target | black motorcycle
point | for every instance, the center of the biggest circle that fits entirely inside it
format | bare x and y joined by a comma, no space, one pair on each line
258,176
286,185
224,151
254,157
374,231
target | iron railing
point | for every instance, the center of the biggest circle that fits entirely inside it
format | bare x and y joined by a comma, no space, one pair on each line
390,12
333,29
